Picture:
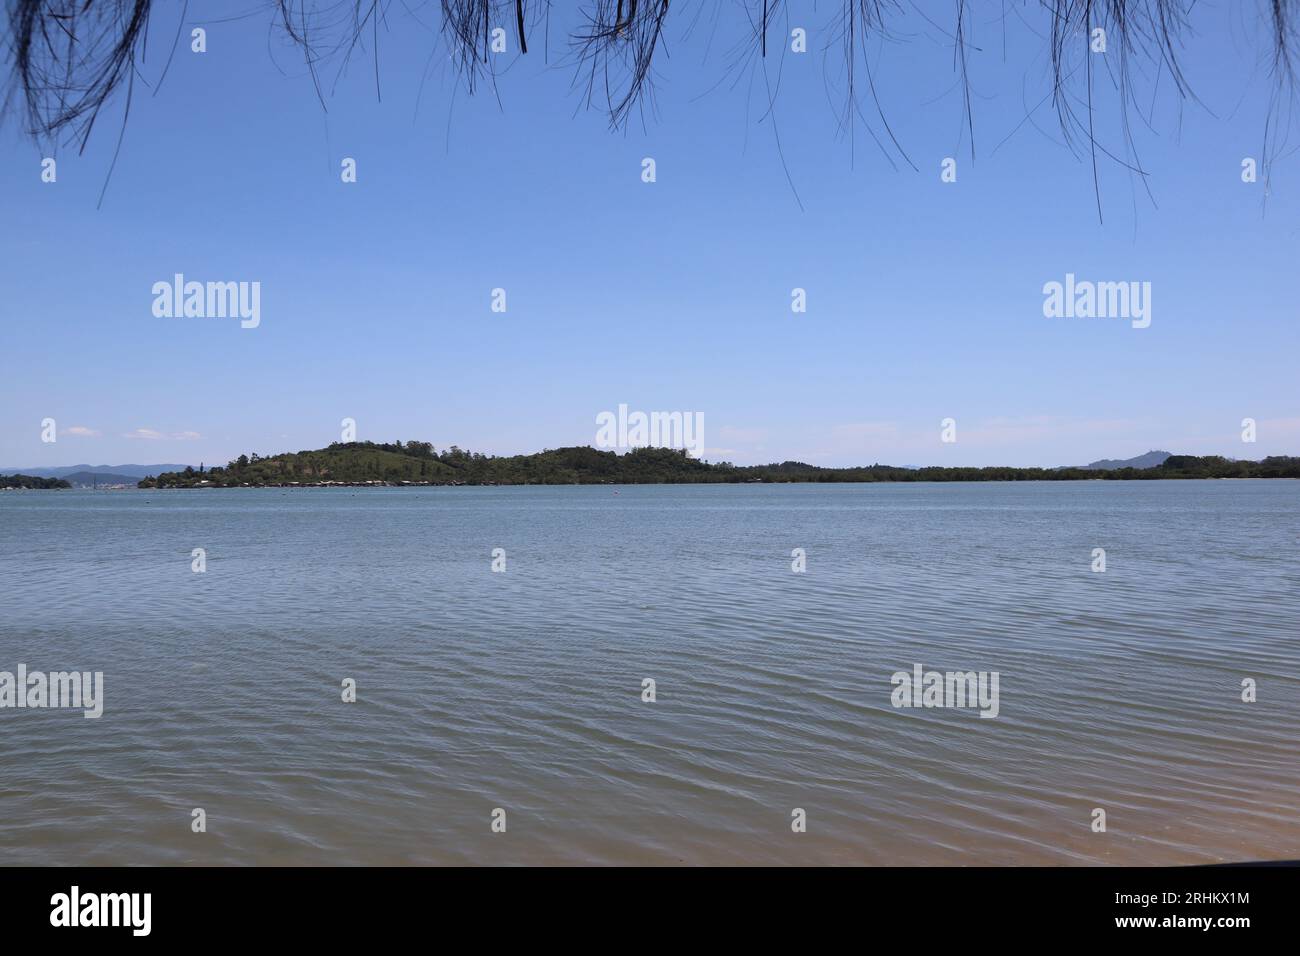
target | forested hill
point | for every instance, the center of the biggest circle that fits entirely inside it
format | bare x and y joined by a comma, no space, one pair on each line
418,463
31,481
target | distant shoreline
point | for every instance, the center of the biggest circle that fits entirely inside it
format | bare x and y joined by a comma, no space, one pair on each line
693,484
418,464
624,484
286,486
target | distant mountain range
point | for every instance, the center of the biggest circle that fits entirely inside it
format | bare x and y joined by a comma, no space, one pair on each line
1152,459
134,472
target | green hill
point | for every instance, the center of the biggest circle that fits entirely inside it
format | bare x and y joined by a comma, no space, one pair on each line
31,481
418,463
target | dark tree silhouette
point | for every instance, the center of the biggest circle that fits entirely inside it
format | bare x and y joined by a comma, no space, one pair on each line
70,56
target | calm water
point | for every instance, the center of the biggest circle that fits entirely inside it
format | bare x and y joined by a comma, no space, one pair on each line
522,690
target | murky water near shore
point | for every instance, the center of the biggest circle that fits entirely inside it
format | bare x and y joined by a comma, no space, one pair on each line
523,690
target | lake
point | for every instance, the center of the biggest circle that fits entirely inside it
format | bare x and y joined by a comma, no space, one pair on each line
522,690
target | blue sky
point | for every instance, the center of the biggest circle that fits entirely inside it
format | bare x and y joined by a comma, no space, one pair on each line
924,298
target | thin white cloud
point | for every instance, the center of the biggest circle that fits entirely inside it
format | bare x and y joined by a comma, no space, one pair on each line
81,431
151,434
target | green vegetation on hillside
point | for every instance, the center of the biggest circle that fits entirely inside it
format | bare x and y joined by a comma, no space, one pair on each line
360,463
31,481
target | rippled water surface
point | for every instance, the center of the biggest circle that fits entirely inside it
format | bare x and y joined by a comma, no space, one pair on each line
522,690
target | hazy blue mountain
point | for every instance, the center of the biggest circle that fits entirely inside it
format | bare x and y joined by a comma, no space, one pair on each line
1152,459
135,471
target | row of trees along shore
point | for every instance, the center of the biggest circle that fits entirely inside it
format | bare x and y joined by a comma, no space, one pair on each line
419,463
32,482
